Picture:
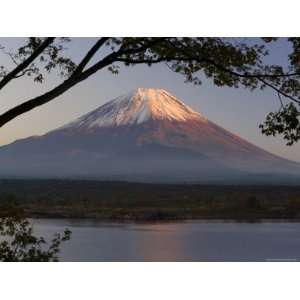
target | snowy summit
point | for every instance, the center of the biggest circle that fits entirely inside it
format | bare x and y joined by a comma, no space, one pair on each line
136,107
145,135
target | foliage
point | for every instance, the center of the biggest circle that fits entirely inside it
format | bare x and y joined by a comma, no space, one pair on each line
231,62
150,202
18,242
285,122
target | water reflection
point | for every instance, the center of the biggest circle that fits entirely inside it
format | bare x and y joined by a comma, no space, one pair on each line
162,242
188,241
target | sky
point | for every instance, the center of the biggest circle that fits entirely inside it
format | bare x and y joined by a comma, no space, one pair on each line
237,110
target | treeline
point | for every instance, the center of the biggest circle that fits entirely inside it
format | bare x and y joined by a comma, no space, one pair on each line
138,201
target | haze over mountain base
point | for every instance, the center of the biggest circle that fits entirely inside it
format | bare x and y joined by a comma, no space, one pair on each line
147,135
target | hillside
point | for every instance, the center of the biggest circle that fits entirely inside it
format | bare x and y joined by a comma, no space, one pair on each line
147,135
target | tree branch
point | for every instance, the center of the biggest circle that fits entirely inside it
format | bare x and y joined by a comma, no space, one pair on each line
259,77
278,90
55,92
23,73
115,57
89,55
143,61
222,68
11,75
143,47
67,84
121,55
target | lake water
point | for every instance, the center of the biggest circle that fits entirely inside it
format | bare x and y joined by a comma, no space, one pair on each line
183,241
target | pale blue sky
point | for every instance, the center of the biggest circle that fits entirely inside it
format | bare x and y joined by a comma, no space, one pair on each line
237,110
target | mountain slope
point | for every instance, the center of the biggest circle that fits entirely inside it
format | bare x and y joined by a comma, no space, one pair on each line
147,134
137,107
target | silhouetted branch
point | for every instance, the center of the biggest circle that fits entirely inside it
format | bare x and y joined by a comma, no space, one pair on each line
90,55
24,73
55,92
141,51
11,75
279,91
260,77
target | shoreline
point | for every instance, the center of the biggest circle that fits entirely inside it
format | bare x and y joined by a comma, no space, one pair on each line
174,220
132,202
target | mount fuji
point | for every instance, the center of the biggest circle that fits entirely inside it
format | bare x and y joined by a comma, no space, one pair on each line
145,135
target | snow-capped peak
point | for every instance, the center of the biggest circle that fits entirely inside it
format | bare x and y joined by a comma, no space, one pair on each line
136,107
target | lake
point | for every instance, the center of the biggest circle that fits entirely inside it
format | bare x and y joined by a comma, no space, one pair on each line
182,241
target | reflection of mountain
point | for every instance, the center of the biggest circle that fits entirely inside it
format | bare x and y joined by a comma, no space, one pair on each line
145,135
